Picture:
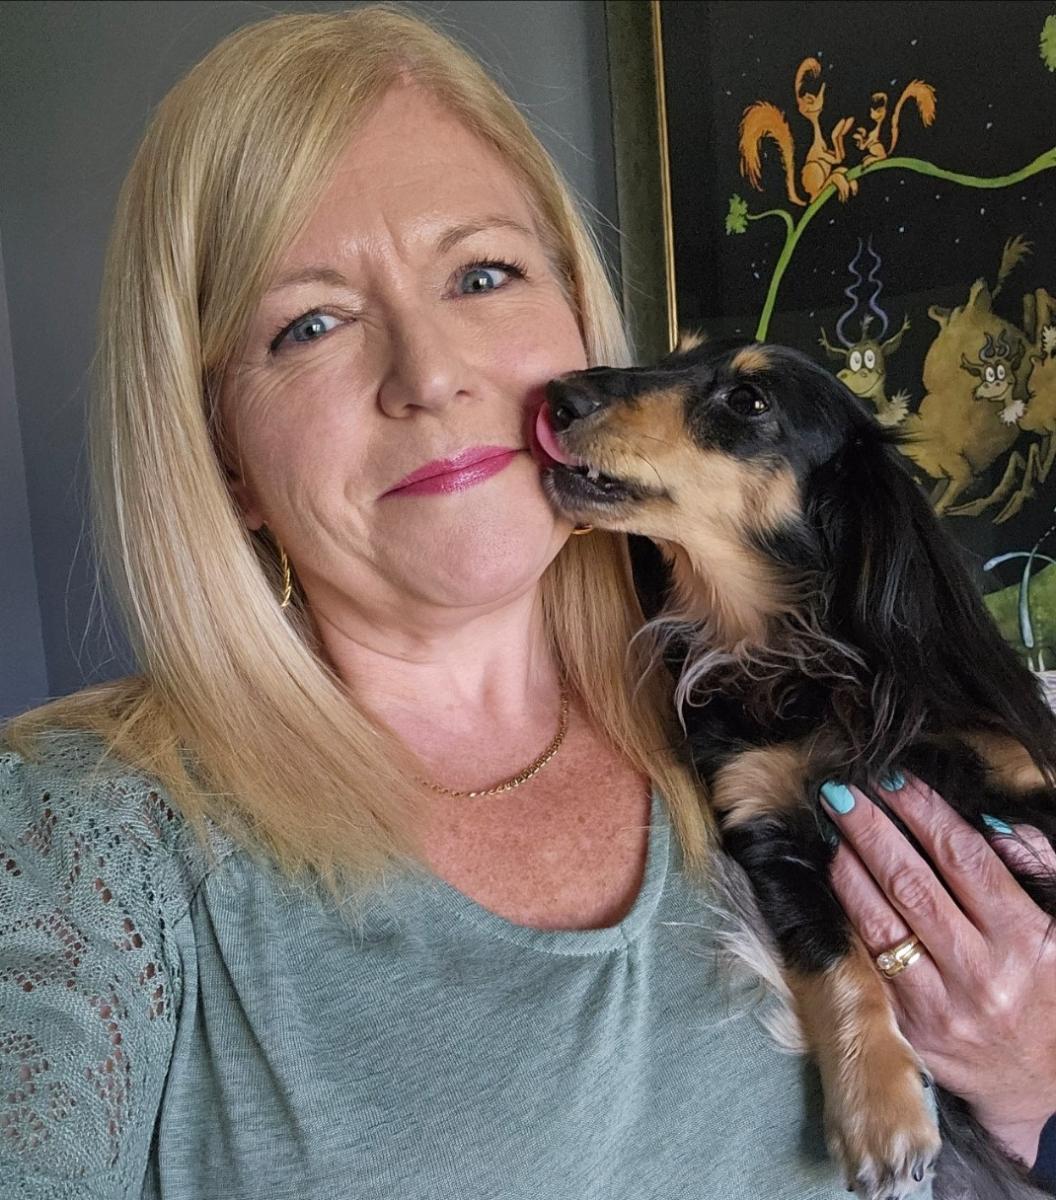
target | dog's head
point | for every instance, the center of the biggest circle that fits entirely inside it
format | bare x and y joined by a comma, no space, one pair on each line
714,453
797,539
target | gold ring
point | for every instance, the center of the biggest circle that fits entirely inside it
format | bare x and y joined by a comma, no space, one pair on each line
894,961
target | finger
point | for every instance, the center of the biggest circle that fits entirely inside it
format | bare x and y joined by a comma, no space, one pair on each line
986,889
907,881
1023,848
880,926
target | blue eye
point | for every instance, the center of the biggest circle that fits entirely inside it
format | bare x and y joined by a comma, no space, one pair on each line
309,328
482,278
472,278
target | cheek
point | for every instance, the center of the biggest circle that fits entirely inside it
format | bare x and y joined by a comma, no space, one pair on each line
541,341
312,421
295,427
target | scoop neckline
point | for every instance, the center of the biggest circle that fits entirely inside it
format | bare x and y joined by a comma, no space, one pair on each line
453,907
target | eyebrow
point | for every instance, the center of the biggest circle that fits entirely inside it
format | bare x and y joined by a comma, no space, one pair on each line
447,241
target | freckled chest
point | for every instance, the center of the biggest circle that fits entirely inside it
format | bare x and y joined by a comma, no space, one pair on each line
564,851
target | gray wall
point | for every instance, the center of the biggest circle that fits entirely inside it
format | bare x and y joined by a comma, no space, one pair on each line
77,81
23,674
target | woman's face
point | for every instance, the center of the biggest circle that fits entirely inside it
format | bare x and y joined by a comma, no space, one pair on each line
417,317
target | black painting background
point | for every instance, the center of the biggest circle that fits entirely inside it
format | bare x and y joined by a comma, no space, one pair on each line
995,112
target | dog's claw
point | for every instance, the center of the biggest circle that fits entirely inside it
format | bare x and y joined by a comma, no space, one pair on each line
885,1157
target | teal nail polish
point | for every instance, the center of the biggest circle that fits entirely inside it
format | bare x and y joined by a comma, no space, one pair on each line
837,797
996,825
895,782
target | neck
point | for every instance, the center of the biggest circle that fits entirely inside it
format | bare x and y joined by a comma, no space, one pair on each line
463,672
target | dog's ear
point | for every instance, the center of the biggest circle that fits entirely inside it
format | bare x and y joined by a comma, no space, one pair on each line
897,589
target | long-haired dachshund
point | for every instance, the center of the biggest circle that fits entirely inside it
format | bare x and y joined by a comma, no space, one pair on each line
822,627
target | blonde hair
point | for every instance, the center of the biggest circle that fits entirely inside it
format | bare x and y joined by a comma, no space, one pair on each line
279,750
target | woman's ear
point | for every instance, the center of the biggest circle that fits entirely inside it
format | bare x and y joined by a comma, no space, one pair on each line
247,505
234,476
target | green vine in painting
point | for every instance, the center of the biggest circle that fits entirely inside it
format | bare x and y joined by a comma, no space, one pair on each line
738,215
1048,42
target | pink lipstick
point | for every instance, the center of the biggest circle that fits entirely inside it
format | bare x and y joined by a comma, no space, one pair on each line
455,474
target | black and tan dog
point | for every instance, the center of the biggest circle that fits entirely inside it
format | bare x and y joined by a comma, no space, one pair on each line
823,628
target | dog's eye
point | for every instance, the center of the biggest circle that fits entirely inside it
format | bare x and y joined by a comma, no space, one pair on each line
747,401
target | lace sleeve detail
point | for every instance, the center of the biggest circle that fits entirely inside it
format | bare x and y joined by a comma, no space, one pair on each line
95,873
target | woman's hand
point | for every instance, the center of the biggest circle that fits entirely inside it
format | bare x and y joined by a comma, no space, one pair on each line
980,1005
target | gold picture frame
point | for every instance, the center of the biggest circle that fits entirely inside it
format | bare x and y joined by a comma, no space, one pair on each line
643,175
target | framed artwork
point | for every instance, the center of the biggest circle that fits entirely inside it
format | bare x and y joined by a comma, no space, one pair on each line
874,185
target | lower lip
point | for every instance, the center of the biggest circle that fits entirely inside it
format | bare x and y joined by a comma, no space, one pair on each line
458,481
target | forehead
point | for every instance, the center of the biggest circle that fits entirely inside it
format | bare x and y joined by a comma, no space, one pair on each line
409,170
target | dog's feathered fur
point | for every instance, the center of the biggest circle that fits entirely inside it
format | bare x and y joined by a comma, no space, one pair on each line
822,626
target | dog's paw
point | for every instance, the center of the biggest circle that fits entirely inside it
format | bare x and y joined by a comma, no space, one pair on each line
882,1132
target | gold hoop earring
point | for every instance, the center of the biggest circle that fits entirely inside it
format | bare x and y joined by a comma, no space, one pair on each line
287,579
581,529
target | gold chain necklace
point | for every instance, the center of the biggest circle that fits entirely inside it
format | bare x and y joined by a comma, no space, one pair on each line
529,771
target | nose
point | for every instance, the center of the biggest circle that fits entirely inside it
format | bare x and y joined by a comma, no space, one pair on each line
571,397
427,368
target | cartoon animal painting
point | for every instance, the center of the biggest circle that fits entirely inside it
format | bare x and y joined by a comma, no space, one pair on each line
986,383
955,435
865,360
1038,416
871,140
996,372
824,164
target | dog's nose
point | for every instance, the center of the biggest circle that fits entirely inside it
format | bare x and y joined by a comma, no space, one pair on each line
570,400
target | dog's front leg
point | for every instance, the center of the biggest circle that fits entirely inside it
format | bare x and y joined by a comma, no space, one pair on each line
879,1125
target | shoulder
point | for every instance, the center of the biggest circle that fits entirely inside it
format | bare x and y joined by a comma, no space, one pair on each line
97,872
68,809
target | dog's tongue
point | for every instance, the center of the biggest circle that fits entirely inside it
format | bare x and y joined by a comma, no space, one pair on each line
544,431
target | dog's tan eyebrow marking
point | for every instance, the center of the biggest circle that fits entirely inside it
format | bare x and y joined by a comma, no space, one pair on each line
690,339
750,360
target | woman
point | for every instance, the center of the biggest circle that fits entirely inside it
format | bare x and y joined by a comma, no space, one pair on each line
340,912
